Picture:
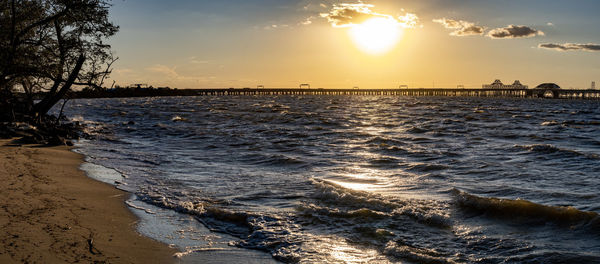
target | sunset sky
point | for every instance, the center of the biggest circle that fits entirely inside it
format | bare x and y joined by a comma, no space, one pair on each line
370,44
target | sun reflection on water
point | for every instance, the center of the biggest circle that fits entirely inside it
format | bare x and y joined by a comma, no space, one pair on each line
356,186
345,253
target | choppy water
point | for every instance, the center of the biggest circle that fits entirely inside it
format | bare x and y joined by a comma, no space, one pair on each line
365,179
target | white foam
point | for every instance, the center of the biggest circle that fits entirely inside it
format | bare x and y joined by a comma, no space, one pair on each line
192,250
102,173
132,205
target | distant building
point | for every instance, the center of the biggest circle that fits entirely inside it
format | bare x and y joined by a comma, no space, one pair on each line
497,84
552,86
593,87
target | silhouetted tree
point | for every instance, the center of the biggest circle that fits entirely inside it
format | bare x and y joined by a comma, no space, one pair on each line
50,46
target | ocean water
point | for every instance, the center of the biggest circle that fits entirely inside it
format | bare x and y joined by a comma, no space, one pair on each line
357,179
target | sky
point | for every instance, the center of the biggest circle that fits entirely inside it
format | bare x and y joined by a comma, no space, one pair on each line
366,44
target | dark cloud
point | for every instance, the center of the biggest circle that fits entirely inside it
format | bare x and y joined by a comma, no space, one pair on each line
346,15
513,31
571,46
461,27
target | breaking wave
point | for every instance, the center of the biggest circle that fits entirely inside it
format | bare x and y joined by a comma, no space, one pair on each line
270,233
527,211
346,202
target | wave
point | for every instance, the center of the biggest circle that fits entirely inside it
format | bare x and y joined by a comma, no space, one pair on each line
549,123
416,130
541,148
350,203
424,167
258,231
550,149
179,119
526,210
378,140
414,254
236,223
280,160
312,210
93,129
571,123
582,123
384,162
555,257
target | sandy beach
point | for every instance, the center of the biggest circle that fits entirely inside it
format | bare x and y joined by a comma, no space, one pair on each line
50,212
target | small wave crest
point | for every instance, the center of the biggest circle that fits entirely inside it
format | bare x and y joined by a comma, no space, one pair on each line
321,211
384,141
280,160
549,123
526,210
550,149
92,128
179,119
425,167
581,123
541,148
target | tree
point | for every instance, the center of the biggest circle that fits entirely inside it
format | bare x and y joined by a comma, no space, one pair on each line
50,46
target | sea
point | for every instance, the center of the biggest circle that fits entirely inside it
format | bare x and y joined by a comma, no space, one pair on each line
354,179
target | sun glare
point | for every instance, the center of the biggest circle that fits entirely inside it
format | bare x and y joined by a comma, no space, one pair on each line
376,35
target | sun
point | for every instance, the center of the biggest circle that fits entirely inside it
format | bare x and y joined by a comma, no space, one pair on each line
376,35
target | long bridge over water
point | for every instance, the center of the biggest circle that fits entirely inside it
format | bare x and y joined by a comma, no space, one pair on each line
518,93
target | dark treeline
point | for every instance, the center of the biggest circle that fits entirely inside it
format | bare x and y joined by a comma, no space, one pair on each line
130,92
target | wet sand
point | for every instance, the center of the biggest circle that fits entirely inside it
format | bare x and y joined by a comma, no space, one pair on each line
51,212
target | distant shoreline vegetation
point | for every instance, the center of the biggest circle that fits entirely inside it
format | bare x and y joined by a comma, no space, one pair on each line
150,91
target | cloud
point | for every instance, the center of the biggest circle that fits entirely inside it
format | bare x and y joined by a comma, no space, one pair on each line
461,27
347,15
276,26
409,20
194,60
317,7
307,21
591,47
513,31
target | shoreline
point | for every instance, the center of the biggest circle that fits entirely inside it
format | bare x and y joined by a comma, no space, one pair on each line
50,212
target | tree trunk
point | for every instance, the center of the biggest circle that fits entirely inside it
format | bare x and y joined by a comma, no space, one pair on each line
51,99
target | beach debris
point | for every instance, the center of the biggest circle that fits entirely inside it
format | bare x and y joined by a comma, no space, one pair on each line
91,247
46,132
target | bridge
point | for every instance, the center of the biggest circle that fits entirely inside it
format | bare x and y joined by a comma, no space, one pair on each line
517,93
